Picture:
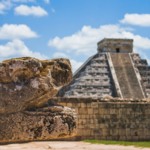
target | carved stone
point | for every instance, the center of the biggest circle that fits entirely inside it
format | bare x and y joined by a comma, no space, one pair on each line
27,82
26,111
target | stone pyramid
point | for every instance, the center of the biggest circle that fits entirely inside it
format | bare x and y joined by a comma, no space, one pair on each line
115,71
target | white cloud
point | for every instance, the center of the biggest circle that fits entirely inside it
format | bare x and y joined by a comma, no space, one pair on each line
25,10
2,8
17,48
75,64
84,41
12,31
4,5
79,42
137,19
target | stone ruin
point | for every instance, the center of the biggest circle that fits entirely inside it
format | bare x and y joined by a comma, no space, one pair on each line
26,111
109,92
115,71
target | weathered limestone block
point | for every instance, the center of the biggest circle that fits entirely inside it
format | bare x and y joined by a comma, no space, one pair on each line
27,82
27,112
52,122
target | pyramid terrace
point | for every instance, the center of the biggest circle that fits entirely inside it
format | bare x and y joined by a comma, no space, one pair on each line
115,70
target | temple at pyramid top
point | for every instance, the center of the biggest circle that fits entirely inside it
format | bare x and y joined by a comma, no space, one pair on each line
115,45
115,70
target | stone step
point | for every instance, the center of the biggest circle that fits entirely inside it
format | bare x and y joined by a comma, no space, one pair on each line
93,79
126,76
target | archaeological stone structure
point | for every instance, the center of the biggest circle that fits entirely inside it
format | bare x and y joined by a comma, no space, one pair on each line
108,97
110,119
110,93
115,71
26,111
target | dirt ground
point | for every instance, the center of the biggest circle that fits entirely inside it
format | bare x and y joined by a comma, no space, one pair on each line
66,146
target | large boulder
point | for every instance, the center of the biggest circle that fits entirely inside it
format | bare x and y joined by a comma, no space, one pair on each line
27,82
27,112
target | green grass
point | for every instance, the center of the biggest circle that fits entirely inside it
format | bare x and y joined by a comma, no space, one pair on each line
124,143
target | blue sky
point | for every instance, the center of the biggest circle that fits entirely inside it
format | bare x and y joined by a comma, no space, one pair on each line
71,28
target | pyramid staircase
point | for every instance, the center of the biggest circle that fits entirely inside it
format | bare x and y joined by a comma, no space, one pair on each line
114,71
126,75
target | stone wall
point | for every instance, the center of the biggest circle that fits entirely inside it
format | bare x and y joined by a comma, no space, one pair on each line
113,119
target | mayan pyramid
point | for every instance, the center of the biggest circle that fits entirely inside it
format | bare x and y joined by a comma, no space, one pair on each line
114,71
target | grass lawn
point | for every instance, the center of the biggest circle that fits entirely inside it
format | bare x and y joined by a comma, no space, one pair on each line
124,143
